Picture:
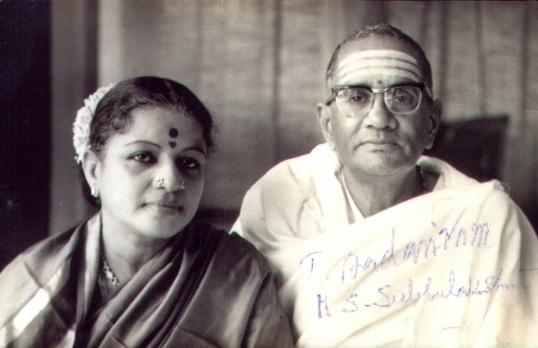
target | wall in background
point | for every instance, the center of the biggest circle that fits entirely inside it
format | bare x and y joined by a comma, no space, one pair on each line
73,55
484,58
24,126
259,66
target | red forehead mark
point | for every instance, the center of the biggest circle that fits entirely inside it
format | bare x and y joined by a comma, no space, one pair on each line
173,132
379,81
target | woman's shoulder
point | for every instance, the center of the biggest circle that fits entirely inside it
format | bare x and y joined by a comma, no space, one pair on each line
20,279
54,241
230,248
42,257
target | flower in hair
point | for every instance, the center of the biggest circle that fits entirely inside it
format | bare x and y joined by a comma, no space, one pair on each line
81,126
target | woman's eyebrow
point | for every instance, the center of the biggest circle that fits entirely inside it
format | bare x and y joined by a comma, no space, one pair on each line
195,148
145,142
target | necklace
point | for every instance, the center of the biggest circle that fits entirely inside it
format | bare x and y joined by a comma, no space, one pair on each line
107,280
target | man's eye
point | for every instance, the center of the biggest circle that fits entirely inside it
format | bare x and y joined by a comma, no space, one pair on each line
406,95
358,98
143,157
403,98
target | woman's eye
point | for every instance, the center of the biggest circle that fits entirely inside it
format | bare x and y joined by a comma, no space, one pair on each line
143,157
189,163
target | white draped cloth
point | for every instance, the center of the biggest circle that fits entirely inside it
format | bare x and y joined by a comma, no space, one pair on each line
456,267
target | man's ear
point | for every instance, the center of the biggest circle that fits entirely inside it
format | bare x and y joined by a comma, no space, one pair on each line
325,122
91,166
435,119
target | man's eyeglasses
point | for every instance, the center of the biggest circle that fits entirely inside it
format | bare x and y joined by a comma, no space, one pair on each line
357,101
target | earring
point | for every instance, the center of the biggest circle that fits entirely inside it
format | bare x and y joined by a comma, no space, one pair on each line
94,192
158,182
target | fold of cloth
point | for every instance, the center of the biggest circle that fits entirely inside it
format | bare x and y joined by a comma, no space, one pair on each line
455,267
205,288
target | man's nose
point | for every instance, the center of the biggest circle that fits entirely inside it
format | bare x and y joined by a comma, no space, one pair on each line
379,115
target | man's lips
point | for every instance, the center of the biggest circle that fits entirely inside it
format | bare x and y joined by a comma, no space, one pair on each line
378,145
379,142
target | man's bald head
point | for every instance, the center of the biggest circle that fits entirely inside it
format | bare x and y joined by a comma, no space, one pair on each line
381,30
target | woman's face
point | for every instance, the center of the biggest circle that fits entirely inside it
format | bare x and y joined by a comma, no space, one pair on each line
159,143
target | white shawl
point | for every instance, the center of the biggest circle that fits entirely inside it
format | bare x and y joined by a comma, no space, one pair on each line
455,267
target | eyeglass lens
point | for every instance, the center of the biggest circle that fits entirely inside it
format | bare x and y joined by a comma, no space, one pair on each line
358,101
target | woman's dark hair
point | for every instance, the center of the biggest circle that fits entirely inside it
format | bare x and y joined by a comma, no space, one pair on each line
113,112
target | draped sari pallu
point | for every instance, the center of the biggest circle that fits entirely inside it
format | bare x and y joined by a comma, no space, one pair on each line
204,289
437,270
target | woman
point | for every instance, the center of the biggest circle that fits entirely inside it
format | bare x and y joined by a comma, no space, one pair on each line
141,273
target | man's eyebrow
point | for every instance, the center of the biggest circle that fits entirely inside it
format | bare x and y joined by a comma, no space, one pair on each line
410,83
353,86
402,83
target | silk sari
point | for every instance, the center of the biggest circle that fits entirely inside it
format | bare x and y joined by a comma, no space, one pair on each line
204,289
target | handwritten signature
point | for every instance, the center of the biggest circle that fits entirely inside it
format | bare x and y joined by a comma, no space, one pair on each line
389,296
350,265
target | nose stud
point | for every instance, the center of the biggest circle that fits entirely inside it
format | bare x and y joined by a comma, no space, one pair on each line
158,182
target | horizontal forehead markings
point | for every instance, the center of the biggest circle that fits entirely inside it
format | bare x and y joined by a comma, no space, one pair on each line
378,63
381,60
381,54
388,71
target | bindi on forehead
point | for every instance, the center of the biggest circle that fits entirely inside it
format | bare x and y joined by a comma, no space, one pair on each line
173,133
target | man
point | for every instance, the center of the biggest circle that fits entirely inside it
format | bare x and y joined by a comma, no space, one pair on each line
374,244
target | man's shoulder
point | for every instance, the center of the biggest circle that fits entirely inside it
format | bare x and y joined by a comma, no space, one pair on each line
462,185
301,171
448,177
496,194
454,188
288,197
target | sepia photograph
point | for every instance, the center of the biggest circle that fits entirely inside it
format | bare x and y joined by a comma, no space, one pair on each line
268,173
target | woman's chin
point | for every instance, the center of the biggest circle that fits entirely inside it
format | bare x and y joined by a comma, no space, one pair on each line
165,226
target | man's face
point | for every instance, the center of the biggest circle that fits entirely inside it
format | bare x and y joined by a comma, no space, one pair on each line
380,142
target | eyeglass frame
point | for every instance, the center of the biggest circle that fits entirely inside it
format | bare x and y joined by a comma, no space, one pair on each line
374,91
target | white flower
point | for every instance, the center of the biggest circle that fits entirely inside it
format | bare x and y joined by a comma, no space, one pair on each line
81,126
